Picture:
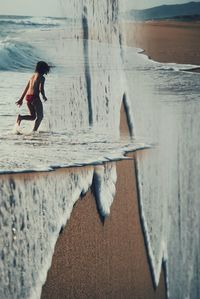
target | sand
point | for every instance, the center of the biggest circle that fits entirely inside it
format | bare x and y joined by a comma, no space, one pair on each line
93,259
108,259
166,41
104,259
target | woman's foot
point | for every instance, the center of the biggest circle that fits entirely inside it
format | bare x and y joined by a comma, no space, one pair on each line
19,120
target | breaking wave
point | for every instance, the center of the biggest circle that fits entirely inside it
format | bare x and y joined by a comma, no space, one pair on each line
30,21
16,55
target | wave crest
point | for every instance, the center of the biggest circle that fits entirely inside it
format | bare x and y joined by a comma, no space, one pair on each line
30,21
15,55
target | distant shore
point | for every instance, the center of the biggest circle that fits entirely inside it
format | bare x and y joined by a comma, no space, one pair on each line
166,41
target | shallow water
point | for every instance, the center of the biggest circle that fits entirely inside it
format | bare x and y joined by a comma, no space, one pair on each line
72,133
46,151
66,135
166,107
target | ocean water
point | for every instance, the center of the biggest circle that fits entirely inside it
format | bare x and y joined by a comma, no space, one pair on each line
81,127
165,106
91,74
68,136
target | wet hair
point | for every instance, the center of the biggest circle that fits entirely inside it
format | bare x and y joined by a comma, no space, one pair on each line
42,68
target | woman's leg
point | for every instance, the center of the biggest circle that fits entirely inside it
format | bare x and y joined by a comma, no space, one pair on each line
39,113
32,115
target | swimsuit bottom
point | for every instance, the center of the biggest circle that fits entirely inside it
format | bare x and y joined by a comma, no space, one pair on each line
30,97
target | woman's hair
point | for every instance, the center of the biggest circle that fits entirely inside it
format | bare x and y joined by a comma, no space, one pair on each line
42,68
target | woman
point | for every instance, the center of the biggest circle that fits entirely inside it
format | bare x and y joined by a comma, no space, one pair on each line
32,92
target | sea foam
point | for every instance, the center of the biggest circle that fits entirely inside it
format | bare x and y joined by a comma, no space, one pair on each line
165,109
162,108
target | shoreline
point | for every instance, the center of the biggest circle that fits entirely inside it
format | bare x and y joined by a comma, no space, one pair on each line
70,167
95,257
104,248
100,245
107,257
130,146
194,69
166,41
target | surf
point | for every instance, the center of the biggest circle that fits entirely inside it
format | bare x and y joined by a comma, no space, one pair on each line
29,21
17,55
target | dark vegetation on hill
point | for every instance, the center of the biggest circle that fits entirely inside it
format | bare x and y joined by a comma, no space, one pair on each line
188,11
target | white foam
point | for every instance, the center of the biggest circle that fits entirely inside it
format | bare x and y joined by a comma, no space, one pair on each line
162,101
105,178
35,208
47,204
166,109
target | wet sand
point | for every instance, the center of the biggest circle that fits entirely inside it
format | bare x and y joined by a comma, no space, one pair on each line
93,259
104,259
166,41
96,259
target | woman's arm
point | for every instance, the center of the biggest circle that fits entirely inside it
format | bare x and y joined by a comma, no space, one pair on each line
42,89
19,103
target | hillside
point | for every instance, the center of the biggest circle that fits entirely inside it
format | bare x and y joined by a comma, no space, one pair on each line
188,10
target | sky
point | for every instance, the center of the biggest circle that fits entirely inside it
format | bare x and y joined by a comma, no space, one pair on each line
56,7
32,7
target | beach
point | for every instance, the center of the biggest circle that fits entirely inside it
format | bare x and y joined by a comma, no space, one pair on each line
95,259
106,195
173,104
166,41
99,257
38,196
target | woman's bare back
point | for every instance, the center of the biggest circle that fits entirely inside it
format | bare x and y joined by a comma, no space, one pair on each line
35,85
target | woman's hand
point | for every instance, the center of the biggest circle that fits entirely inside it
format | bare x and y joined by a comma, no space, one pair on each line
19,103
44,98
